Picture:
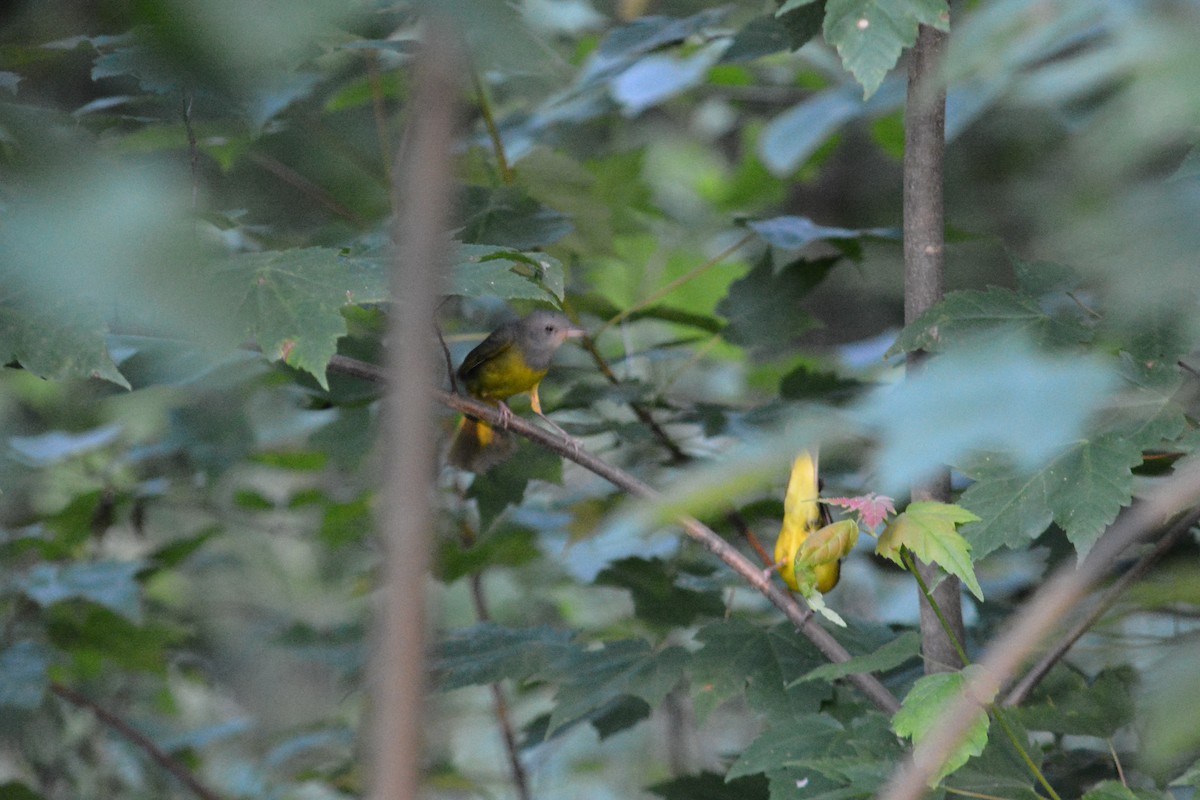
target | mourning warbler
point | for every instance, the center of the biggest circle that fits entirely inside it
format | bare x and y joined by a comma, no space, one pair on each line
513,359
803,514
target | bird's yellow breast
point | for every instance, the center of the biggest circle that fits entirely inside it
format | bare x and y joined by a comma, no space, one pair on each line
503,375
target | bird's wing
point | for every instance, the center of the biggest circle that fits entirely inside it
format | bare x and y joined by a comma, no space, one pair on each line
496,343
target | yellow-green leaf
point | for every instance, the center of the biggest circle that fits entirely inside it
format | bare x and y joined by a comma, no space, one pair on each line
922,712
829,543
930,531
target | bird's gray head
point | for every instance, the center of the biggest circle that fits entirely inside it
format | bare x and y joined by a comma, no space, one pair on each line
541,333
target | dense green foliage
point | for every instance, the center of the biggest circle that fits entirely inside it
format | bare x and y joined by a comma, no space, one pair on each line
196,215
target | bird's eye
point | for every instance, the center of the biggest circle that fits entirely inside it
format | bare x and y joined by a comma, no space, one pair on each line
549,329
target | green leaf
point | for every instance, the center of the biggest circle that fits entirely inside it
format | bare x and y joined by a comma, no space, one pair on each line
56,341
711,786
807,383
626,667
762,308
1082,490
805,735
738,658
11,790
1042,277
870,34
1147,411
1066,703
490,271
656,597
111,584
505,484
98,638
761,36
622,46
965,315
499,548
1110,790
904,647
24,675
289,301
803,22
922,710
991,395
929,530
508,217
487,653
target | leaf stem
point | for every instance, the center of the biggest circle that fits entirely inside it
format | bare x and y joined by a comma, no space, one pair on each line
489,121
995,710
654,297
137,738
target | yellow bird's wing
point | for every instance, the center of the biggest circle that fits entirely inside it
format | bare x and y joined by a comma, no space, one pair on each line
802,515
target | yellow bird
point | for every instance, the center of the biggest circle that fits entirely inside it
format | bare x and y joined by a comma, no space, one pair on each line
803,514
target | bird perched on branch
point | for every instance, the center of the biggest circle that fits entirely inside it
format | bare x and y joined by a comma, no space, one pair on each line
512,360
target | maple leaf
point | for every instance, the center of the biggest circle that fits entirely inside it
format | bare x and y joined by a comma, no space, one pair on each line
930,531
871,508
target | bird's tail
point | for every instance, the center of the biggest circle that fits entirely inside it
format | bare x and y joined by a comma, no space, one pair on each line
477,446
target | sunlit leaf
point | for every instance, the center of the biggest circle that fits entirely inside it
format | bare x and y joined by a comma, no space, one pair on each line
930,531
829,543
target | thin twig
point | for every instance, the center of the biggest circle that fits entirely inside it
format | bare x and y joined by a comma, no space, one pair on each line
801,617
1020,692
500,701
307,187
380,111
654,297
193,148
138,739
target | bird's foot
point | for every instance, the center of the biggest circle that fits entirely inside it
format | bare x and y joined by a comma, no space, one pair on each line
572,441
506,414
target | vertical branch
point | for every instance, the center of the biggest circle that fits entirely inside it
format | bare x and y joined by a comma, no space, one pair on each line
924,268
398,665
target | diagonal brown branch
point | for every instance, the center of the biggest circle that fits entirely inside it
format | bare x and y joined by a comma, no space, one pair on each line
132,734
1018,693
801,617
